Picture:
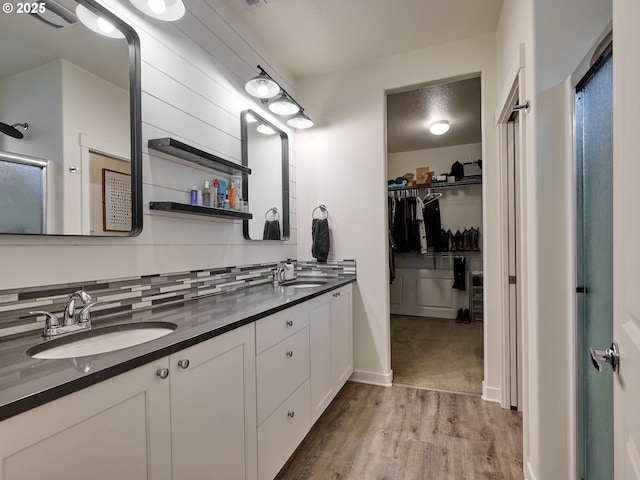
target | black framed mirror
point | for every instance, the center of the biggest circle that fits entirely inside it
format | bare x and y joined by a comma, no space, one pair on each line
70,121
265,148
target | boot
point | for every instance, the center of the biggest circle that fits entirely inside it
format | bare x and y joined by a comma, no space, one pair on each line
460,317
466,316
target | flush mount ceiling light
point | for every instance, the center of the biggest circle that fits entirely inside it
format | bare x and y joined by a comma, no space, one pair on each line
97,23
166,10
300,121
264,87
283,105
439,128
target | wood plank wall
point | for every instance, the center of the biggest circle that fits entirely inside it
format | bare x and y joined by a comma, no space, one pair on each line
193,72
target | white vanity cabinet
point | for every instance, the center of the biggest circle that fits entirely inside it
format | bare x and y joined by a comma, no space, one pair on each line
196,423
331,346
118,428
282,377
213,408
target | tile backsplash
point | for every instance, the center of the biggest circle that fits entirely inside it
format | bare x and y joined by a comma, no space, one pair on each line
129,294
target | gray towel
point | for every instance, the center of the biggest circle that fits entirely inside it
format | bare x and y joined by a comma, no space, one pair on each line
271,230
320,237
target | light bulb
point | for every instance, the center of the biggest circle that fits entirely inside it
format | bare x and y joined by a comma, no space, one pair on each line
104,25
265,129
157,6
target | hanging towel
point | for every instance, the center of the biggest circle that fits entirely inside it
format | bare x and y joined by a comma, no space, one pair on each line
320,239
271,230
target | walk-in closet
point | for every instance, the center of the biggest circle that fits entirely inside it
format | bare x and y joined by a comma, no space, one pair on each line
434,200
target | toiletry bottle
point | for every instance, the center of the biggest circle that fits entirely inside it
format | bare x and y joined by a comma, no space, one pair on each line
230,197
214,194
226,204
222,193
194,196
206,194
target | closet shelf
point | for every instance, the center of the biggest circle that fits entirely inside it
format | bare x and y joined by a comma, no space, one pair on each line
464,182
465,253
198,210
186,152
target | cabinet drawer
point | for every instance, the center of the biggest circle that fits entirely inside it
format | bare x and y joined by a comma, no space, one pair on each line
280,370
282,432
274,328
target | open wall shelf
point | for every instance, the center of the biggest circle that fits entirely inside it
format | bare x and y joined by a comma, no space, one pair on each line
186,152
176,207
463,182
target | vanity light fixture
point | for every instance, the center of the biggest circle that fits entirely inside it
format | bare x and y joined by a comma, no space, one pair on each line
300,121
265,129
440,127
283,105
264,87
165,10
98,24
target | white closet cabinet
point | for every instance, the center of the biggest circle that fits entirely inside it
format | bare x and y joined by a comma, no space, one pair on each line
331,346
118,428
197,423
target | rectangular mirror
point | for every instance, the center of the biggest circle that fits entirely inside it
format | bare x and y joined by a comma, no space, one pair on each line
265,148
70,131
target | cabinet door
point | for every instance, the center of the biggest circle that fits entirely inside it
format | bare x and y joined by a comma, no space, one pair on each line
320,355
118,428
341,336
213,409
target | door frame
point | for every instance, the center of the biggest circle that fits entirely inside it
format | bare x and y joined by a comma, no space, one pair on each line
510,96
571,83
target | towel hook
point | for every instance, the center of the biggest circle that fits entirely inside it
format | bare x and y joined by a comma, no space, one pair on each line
323,210
276,214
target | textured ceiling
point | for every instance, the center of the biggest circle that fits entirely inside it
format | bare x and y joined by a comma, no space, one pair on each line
312,37
410,113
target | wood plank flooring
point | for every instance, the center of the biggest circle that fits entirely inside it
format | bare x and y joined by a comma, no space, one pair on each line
402,433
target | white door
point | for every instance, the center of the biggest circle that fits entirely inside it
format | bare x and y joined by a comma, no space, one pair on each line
626,236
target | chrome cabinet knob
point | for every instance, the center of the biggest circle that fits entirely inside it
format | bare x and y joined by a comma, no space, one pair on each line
163,373
291,414
289,353
289,323
184,364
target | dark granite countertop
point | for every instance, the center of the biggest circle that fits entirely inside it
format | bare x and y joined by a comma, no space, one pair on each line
26,382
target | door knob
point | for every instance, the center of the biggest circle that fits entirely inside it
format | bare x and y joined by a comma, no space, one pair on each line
610,355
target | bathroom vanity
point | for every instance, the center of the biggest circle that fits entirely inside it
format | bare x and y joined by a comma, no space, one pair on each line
229,394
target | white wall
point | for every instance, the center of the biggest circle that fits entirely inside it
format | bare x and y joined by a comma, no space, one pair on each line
342,163
557,35
193,72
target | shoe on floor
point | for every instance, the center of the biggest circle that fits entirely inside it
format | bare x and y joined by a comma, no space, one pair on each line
466,317
460,317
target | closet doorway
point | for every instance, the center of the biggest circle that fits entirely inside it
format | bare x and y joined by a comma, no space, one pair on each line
435,235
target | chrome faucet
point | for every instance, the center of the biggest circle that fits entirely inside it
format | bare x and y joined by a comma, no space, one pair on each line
75,317
283,273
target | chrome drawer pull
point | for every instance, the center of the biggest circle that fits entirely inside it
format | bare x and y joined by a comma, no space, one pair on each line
291,414
289,323
289,353
184,364
163,373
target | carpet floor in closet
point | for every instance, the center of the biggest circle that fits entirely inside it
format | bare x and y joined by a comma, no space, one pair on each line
437,353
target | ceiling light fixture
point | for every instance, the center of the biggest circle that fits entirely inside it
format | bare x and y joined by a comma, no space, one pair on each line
165,10
264,87
97,23
439,128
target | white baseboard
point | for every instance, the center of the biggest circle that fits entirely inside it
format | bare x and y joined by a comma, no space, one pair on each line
372,378
491,394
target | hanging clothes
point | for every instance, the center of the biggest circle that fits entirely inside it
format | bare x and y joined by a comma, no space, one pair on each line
459,270
422,233
433,224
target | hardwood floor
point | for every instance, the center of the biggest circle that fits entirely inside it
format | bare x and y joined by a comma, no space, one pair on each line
402,433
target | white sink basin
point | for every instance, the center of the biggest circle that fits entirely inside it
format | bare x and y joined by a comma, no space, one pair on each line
304,284
101,340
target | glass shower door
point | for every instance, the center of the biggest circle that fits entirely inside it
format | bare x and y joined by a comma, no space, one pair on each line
594,143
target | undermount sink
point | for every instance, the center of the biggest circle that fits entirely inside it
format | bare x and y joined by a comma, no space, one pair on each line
304,283
101,340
